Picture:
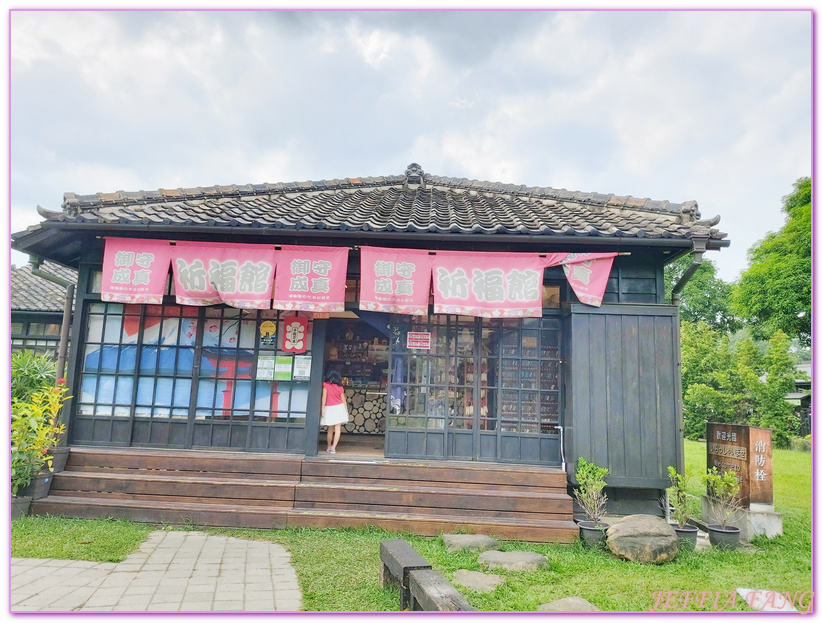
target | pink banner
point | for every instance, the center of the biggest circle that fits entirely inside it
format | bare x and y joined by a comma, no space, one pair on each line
588,275
395,280
135,271
239,275
489,285
311,279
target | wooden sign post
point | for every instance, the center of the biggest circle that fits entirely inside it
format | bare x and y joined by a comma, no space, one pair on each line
747,451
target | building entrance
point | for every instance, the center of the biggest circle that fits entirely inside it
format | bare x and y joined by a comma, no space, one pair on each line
359,349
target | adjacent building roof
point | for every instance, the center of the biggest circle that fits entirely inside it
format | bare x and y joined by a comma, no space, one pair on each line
415,203
32,293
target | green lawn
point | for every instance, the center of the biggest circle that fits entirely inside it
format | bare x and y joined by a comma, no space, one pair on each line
97,540
338,569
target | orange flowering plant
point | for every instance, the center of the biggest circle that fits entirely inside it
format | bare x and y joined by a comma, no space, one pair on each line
35,428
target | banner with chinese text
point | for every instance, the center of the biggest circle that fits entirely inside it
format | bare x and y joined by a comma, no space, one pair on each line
395,280
489,285
311,279
208,273
588,275
135,271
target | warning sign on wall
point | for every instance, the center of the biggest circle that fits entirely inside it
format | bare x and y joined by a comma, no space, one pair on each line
420,340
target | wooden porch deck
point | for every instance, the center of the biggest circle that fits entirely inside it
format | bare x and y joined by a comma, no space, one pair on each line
351,488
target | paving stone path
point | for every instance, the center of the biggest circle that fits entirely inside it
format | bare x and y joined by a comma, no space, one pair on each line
170,571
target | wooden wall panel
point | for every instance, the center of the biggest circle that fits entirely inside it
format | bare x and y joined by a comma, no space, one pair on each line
624,407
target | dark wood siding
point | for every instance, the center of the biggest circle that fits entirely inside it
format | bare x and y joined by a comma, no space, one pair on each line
636,278
623,392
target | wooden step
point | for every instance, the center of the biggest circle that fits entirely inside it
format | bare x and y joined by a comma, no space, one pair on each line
164,511
227,464
420,510
456,473
172,484
537,531
541,531
434,496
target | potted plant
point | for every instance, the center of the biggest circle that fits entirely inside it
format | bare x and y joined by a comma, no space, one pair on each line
591,498
34,430
723,491
678,501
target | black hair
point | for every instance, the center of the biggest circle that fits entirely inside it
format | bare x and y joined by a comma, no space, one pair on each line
333,376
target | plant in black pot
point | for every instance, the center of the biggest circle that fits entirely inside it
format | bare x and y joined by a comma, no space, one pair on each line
592,499
678,501
34,430
723,490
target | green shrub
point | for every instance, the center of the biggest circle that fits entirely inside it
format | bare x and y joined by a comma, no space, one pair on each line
725,489
801,444
34,430
31,373
592,481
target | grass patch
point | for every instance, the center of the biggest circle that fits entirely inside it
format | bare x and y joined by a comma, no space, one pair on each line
97,540
338,569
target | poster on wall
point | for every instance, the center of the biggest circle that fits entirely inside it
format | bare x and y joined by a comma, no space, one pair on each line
135,270
395,280
311,279
302,367
488,285
239,275
265,368
283,367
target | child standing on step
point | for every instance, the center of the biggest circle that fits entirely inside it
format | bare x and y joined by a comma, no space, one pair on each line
333,409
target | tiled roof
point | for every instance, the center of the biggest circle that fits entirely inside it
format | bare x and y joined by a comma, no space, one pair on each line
413,202
32,293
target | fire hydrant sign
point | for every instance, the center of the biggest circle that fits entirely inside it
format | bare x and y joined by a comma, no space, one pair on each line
419,340
747,451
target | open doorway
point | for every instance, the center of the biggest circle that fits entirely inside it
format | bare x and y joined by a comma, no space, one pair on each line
358,347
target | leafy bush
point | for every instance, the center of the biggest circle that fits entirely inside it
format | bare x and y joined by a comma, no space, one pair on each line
34,429
677,497
31,373
724,489
590,496
801,444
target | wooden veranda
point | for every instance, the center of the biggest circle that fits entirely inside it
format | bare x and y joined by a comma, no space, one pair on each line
354,489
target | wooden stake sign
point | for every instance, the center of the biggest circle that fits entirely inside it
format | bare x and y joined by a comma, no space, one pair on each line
747,451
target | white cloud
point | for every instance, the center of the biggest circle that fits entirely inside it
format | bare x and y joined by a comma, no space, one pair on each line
705,105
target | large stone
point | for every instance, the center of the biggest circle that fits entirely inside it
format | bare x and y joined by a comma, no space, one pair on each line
471,542
642,538
569,604
512,561
476,581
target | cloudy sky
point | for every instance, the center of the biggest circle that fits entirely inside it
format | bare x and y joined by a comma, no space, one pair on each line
711,106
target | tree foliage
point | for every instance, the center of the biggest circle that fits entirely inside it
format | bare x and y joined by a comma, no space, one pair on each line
705,297
774,293
734,384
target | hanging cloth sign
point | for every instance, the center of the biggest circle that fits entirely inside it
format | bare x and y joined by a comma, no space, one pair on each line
587,274
395,280
239,275
311,279
135,271
489,285
295,334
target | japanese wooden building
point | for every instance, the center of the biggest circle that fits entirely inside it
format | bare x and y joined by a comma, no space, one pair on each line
37,307
188,406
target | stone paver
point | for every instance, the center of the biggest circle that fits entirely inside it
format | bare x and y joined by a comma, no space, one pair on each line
170,572
512,561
